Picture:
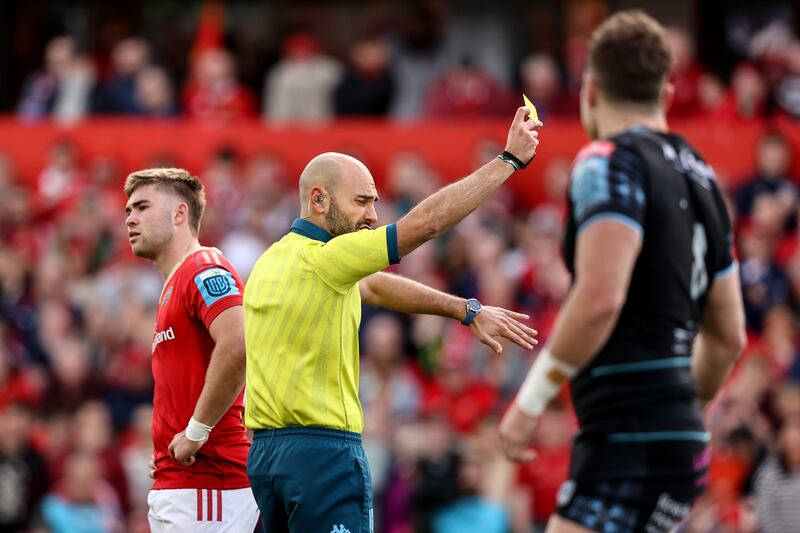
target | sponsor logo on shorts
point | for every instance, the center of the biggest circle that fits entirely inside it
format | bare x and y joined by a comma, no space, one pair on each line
339,529
667,514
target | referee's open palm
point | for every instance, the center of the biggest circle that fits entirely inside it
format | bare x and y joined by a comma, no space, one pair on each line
495,323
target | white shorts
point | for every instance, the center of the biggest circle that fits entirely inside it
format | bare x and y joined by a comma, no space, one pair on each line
186,510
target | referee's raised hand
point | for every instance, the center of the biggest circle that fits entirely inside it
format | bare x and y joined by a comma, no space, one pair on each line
523,136
495,323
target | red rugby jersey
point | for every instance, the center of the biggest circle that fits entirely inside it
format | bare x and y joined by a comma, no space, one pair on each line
204,285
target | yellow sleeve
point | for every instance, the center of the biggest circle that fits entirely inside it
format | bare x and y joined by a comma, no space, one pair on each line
344,260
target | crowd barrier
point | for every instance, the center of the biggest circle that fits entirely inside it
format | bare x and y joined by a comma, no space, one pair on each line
448,145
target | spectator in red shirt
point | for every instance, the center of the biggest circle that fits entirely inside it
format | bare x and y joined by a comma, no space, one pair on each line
462,397
213,93
467,91
61,180
685,76
544,476
749,92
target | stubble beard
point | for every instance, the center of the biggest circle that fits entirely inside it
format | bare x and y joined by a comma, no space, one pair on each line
337,222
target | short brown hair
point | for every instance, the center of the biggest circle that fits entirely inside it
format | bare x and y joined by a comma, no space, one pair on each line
174,180
630,57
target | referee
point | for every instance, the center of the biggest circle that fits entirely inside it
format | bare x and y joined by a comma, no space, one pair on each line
302,313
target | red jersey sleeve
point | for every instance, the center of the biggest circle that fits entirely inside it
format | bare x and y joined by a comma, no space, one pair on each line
214,287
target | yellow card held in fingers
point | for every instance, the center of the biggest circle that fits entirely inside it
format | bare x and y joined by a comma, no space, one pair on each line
531,107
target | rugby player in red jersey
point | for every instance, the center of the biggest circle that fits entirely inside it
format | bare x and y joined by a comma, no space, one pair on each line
200,446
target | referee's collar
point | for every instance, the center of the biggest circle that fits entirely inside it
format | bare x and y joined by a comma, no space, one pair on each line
309,229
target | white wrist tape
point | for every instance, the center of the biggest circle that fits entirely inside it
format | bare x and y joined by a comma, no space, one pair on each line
197,431
544,380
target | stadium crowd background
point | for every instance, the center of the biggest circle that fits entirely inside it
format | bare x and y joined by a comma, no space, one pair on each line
76,309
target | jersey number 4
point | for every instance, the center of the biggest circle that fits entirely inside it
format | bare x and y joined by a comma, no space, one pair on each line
699,282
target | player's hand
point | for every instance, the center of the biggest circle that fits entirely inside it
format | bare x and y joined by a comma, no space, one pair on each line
151,464
184,450
516,433
523,136
493,323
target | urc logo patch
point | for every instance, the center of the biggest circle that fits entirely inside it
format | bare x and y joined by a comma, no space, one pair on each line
217,285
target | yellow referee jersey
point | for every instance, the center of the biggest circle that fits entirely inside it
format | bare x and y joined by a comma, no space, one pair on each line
302,310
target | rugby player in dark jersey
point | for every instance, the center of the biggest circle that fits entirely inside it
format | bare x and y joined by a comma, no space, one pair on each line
654,318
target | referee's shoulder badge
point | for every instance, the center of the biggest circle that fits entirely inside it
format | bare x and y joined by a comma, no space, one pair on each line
215,283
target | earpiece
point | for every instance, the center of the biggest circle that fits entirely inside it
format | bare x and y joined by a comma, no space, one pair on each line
319,198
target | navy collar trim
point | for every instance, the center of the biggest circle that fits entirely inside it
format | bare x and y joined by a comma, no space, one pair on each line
309,229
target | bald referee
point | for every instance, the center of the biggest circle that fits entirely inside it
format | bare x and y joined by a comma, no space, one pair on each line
302,313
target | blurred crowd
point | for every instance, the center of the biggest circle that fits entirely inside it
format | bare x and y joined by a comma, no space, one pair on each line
76,315
381,75
77,310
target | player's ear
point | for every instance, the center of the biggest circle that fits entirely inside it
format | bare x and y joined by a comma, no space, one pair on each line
667,96
590,89
180,213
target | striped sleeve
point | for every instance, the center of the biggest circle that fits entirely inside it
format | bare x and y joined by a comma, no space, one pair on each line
213,288
345,260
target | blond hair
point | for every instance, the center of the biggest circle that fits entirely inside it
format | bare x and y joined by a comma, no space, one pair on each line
177,181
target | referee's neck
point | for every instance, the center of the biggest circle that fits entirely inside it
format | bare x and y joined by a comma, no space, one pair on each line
317,220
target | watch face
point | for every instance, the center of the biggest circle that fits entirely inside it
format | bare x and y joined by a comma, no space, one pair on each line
474,305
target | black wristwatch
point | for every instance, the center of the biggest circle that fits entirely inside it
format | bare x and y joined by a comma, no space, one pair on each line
473,308
513,160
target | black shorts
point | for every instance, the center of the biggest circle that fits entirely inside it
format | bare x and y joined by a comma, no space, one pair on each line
633,487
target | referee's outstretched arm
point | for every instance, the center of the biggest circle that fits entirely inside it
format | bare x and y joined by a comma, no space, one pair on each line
446,207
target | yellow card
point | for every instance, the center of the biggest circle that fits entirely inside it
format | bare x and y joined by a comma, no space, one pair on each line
529,104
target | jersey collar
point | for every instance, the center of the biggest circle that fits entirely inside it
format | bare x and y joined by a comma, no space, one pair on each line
309,229
175,268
